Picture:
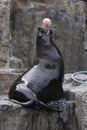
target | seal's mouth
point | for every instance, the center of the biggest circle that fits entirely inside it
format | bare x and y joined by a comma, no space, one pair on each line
46,30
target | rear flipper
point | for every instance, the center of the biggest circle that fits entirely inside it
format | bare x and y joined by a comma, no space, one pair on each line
62,107
47,107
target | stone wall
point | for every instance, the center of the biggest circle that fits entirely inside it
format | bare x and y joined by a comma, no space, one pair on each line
24,20
19,21
71,22
78,93
4,31
15,117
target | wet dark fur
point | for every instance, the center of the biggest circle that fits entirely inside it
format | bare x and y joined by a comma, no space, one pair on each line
44,79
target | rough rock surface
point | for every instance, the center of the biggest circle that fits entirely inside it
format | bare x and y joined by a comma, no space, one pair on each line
71,24
6,80
19,20
4,31
15,117
78,93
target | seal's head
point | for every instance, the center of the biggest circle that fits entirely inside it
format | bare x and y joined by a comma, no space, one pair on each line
44,35
44,43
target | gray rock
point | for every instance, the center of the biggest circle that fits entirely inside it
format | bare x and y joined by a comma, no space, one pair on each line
6,80
15,117
85,40
69,33
38,1
4,31
78,93
15,63
24,21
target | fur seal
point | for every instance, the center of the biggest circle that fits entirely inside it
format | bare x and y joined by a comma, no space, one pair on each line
42,84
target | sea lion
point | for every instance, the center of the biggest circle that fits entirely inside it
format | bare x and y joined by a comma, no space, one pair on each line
42,84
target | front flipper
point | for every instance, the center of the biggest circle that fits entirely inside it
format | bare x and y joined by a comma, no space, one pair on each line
22,88
23,95
29,103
